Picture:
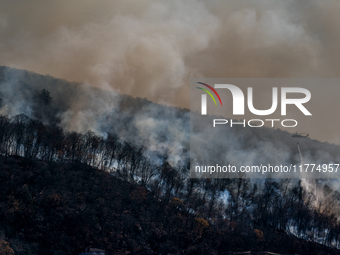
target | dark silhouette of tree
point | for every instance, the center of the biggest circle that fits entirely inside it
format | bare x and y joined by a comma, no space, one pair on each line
45,97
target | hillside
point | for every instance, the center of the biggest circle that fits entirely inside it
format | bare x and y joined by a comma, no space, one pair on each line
124,185
62,208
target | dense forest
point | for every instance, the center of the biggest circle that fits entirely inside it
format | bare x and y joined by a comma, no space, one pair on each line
62,192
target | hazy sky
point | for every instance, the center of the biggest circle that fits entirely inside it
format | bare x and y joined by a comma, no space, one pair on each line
152,48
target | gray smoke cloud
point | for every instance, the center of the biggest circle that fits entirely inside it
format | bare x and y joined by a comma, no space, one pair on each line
137,48
152,48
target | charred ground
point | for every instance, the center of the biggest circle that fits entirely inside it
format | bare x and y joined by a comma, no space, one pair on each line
62,208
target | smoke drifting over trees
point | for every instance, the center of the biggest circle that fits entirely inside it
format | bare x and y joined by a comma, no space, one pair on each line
80,107
148,144
61,204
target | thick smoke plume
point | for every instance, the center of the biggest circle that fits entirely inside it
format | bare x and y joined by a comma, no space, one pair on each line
152,48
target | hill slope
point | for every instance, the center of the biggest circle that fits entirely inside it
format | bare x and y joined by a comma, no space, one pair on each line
62,208
153,206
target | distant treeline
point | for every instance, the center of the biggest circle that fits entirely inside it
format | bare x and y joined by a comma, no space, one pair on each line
23,136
